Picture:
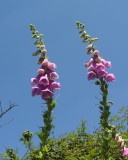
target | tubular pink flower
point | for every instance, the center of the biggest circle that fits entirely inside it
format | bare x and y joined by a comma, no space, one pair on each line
103,61
55,85
99,66
51,65
101,73
46,94
110,77
122,144
91,75
108,64
36,91
125,152
44,80
91,68
34,81
54,75
88,63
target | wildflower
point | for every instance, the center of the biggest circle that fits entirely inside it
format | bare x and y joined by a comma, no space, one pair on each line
110,77
99,66
36,91
34,81
96,67
55,85
54,75
122,144
44,80
91,68
46,94
91,75
125,152
89,63
101,73
51,65
108,64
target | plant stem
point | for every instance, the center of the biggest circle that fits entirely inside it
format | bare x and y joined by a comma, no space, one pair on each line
47,118
105,112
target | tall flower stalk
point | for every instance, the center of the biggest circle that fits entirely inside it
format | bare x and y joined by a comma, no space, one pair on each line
97,71
44,85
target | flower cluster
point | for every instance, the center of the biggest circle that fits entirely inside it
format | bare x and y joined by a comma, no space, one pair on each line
122,146
97,66
45,84
45,80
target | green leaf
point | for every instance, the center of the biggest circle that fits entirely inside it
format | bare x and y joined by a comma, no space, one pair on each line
101,108
45,149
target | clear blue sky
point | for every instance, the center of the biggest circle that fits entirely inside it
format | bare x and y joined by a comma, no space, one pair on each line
107,20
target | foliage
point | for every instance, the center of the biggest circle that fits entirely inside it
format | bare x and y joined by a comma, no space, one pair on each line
77,145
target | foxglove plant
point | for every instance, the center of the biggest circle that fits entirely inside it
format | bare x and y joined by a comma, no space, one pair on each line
44,85
97,71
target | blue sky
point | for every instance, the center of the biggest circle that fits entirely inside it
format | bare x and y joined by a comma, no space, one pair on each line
56,19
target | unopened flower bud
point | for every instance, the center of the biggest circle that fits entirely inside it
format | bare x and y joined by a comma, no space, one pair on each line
36,53
94,39
43,51
42,46
42,56
96,52
40,71
83,35
45,62
90,46
89,51
37,42
38,46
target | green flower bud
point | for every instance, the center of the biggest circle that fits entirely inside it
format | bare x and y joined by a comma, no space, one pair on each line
38,46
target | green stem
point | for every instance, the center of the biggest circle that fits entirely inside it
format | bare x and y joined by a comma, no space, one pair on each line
47,118
105,113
